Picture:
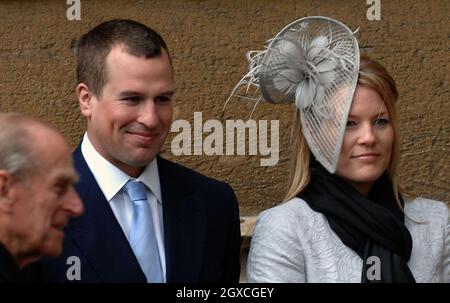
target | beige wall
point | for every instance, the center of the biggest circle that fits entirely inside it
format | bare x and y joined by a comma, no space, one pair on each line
208,40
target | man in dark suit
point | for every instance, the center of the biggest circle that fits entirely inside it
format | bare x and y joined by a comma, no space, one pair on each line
187,229
37,197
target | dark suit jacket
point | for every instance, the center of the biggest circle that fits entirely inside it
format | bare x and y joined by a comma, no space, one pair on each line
9,269
201,232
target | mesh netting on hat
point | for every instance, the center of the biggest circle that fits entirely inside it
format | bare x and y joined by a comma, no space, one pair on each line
313,62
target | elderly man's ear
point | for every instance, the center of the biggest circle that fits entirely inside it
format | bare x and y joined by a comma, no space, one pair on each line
6,182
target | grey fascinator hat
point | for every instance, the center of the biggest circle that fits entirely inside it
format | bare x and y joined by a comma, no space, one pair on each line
314,63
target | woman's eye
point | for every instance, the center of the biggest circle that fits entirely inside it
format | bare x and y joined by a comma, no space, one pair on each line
351,124
381,121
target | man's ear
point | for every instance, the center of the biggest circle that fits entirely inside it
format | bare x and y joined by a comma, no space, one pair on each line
85,99
6,181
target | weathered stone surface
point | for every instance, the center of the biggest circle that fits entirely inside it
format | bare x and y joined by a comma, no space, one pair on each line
208,40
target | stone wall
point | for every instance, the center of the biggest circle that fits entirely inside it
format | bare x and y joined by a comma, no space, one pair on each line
208,41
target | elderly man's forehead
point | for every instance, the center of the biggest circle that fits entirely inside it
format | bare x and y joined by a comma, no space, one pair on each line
60,173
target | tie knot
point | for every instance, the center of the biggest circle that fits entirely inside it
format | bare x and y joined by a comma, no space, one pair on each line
135,190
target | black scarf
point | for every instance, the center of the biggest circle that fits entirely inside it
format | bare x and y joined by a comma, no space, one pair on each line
371,226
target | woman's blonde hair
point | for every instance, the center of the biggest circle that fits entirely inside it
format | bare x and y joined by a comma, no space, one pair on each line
371,74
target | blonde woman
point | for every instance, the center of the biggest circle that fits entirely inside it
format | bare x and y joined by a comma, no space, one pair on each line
356,224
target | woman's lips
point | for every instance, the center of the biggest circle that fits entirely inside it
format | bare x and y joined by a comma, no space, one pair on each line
369,157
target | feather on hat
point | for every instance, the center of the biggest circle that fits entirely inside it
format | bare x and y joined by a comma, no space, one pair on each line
313,62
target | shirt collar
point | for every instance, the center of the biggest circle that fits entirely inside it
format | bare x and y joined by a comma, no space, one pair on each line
111,179
150,177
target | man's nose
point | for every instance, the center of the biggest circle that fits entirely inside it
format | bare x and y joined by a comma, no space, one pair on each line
73,204
148,115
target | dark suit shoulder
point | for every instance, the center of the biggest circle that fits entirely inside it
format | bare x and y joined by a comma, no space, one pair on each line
9,269
189,175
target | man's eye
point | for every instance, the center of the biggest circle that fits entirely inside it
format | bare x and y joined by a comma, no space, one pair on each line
163,99
132,99
60,190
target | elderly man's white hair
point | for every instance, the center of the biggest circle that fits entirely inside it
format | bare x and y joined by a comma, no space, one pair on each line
18,154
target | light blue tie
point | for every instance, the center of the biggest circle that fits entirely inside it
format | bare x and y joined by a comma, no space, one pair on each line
142,234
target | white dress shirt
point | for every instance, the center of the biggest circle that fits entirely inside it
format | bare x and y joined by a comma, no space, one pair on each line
111,179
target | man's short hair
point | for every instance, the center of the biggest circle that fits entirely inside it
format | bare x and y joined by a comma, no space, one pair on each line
93,48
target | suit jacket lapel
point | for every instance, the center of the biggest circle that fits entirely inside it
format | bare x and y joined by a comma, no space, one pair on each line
184,225
98,233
